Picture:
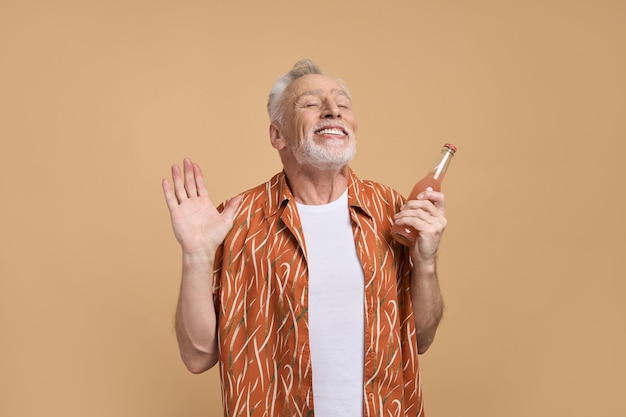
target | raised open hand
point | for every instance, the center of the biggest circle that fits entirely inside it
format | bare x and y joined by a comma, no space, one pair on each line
198,226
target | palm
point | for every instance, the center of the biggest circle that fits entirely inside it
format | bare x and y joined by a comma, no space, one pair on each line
198,225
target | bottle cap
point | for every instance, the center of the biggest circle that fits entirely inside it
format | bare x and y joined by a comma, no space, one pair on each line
450,146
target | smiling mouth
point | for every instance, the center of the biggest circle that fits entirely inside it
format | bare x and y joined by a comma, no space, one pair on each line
331,131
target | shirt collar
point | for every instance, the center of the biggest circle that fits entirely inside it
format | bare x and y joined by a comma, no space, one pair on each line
279,194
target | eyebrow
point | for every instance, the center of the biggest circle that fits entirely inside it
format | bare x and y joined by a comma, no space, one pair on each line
319,91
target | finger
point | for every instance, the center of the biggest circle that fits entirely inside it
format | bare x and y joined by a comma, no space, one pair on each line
437,222
200,186
420,214
436,197
417,215
170,198
428,226
434,220
179,188
190,178
411,206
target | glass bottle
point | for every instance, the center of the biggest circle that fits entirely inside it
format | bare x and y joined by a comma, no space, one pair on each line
407,235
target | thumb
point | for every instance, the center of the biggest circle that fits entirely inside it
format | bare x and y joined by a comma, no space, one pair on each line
231,206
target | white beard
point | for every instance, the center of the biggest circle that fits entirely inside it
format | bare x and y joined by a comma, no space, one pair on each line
333,154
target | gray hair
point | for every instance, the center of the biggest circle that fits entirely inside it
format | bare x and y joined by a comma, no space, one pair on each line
300,69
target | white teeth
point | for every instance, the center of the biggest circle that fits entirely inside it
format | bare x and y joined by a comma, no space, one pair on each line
330,132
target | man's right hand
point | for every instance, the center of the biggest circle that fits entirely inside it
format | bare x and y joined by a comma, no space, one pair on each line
198,226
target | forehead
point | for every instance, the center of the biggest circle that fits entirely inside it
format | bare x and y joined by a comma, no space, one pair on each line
314,84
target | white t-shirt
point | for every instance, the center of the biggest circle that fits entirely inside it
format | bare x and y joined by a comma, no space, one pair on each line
336,302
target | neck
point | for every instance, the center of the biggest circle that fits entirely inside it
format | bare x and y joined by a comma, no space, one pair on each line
313,186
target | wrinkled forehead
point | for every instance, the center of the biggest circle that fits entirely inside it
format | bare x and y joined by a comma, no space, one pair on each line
315,84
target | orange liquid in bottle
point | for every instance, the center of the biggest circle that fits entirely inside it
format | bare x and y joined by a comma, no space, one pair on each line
407,235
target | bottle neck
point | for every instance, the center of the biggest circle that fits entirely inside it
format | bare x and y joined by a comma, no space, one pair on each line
440,169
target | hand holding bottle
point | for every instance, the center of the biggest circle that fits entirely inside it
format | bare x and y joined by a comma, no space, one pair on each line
424,207
425,217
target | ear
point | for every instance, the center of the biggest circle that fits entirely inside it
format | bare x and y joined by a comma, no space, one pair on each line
276,137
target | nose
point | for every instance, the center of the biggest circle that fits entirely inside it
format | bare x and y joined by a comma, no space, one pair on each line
331,110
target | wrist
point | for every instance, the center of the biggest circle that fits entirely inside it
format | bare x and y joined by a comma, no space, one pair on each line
198,259
425,266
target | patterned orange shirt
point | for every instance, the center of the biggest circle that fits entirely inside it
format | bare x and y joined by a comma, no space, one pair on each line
261,296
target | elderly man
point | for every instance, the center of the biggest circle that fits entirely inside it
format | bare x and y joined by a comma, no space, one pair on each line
296,287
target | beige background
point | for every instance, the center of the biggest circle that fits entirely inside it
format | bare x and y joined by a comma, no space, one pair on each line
98,98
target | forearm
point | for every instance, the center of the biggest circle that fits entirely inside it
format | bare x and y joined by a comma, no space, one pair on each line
427,302
196,325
